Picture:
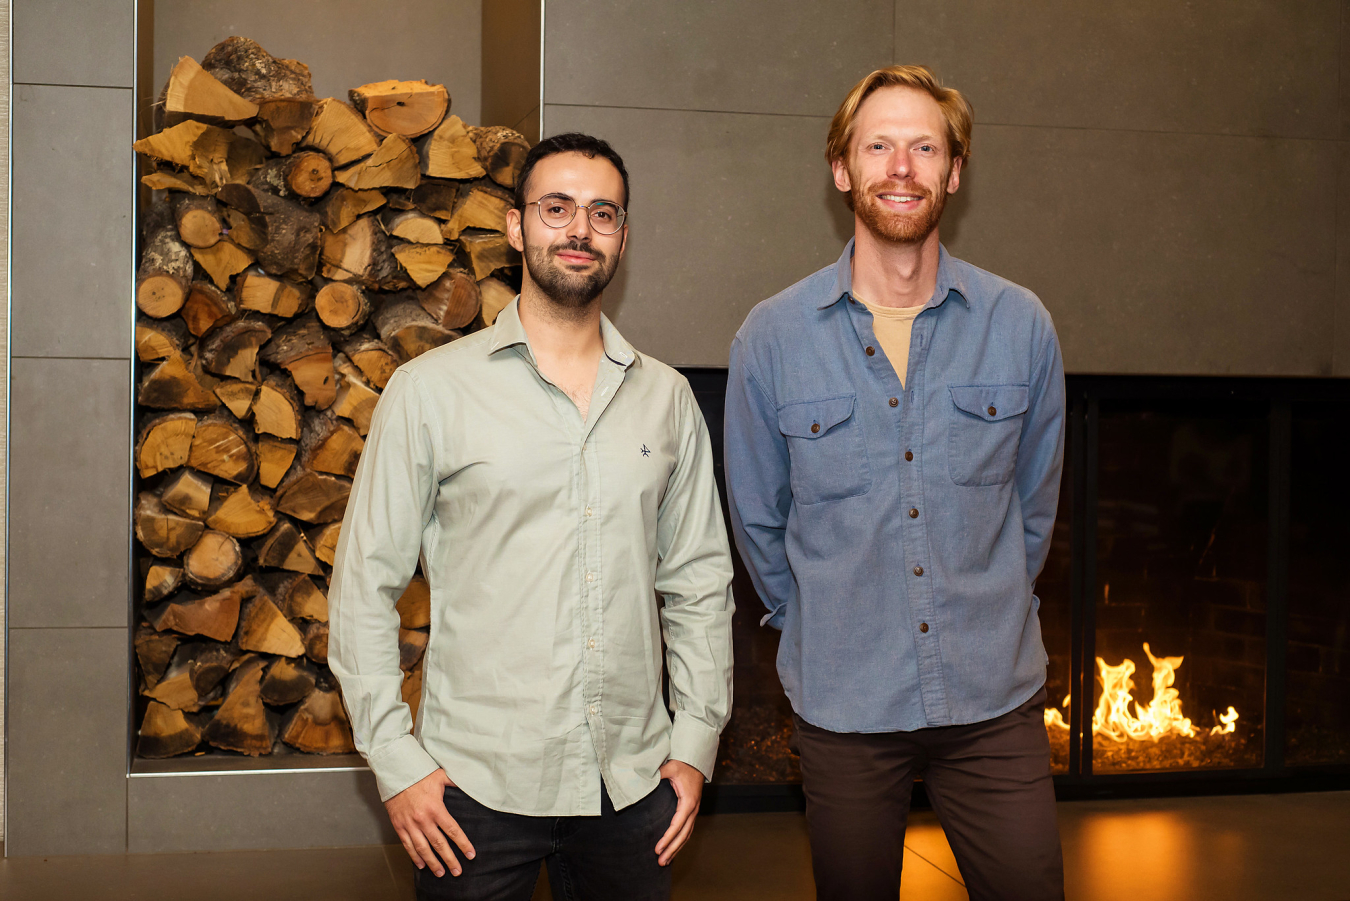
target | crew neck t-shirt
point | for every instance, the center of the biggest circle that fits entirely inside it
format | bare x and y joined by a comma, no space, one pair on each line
892,326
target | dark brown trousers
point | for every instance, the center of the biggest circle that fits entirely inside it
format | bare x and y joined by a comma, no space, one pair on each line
988,782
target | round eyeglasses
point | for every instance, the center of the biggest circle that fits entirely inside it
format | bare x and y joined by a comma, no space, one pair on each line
558,211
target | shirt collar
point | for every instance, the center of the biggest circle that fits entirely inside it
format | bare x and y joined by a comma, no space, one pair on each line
948,280
507,331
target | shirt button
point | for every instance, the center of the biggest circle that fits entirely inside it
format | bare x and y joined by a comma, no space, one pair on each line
588,510
923,627
913,513
592,710
895,401
909,455
871,350
993,411
918,570
591,643
590,577
815,427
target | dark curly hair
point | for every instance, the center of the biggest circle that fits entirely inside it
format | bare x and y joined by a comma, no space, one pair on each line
571,142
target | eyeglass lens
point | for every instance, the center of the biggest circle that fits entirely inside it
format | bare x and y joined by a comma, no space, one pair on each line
557,211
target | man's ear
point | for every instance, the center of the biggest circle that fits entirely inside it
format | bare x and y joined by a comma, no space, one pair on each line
624,246
954,178
513,225
842,181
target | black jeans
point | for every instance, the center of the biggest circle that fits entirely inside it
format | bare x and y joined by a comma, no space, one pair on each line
611,857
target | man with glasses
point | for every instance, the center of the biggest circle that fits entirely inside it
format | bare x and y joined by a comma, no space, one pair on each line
554,481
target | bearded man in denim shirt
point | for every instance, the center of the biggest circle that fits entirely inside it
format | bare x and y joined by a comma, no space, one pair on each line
894,441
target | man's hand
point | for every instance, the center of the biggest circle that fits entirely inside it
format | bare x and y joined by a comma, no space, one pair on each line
688,784
422,823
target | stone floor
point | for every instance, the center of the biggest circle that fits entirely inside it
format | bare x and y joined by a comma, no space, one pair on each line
1233,848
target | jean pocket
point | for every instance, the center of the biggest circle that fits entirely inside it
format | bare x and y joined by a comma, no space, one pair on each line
828,458
985,428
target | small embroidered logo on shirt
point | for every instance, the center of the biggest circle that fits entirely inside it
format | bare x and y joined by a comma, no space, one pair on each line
645,452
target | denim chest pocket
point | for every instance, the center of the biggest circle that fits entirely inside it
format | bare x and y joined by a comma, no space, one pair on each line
985,429
825,444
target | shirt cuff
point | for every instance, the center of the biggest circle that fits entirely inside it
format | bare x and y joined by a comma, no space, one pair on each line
400,764
695,743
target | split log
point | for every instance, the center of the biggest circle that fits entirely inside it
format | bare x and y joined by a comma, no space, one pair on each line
214,561
164,443
412,691
316,642
242,723
161,580
154,650
452,300
488,253
413,226
312,496
484,205
166,732
283,122
307,174
401,201
341,132
198,667
497,295
232,350
277,409
207,308
242,157
166,267
211,663
408,329
247,231
251,72
264,294
424,263
175,689
222,261
344,206
288,681
414,606
330,445
393,165
319,725
237,396
302,349
262,628
243,511
161,531
215,616
188,493
407,108
194,92
200,148
300,598
355,399
502,152
436,199
372,357
342,306
275,456
196,219
360,252
159,339
171,180
324,541
449,152
222,447
293,231
286,548
412,643
173,386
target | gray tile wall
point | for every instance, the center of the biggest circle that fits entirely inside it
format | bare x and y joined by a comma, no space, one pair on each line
1165,176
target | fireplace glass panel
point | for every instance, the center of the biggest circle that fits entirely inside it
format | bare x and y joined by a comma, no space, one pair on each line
1317,719
1180,588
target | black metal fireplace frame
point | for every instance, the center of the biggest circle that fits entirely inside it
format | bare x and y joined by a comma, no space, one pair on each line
1276,396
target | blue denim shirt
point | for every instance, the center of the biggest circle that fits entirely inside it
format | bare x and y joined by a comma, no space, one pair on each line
895,534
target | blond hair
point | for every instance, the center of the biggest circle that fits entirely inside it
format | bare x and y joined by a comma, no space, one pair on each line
955,109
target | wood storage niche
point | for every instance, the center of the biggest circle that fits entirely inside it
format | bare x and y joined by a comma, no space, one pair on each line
294,250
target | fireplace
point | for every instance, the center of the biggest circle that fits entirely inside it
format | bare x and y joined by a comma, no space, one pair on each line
1194,606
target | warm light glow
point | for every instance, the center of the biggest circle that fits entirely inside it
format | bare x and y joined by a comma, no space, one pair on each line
1113,718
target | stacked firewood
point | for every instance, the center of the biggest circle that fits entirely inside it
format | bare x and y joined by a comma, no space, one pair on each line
294,252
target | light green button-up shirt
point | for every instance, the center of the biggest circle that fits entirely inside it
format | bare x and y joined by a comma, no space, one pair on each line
546,541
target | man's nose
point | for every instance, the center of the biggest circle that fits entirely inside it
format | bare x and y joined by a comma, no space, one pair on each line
899,167
580,226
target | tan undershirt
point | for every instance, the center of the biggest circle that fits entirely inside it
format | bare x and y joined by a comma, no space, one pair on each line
893,326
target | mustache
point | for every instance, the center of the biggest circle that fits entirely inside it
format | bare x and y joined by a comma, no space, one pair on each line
894,187
579,247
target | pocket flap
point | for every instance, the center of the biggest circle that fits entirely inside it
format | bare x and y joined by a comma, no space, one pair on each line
991,402
813,418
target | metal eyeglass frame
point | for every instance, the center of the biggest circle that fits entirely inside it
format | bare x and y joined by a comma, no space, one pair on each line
621,218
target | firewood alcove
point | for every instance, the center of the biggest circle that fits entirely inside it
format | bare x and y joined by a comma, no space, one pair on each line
294,251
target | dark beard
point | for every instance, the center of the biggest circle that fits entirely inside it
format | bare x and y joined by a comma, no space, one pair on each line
568,290
899,228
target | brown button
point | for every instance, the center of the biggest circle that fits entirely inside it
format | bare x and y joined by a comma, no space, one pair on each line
871,350
895,401
815,427
918,570
993,411
913,513
923,627
909,455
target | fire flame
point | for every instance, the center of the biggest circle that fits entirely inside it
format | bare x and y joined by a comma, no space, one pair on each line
1113,719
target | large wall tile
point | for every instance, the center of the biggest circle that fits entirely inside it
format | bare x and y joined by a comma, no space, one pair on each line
73,175
749,56
69,497
256,810
1220,261
727,209
88,42
67,741
1262,67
